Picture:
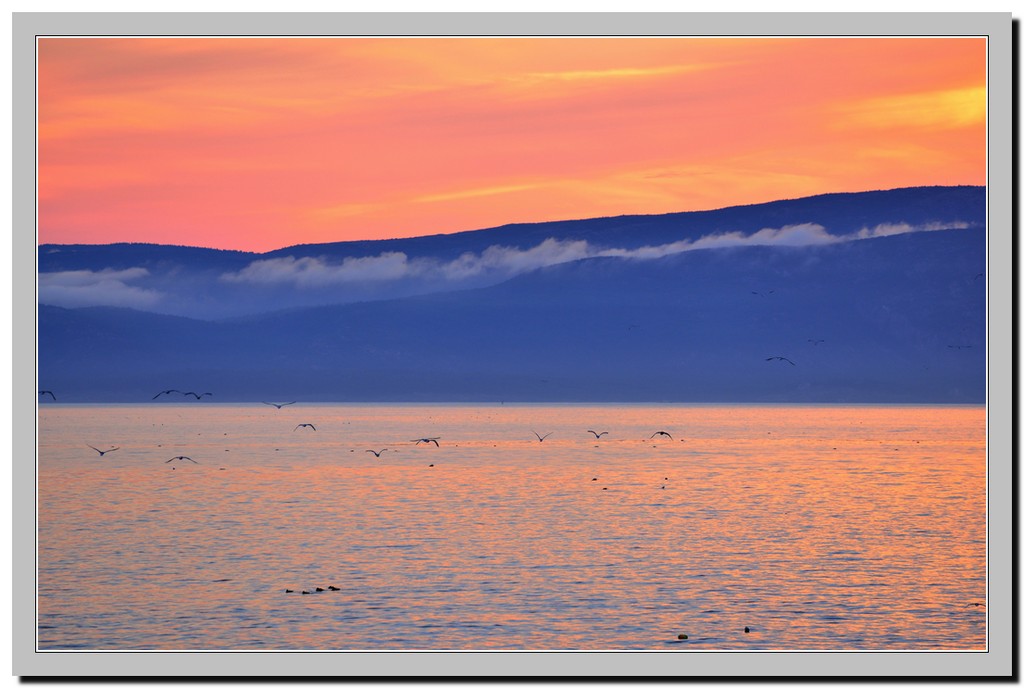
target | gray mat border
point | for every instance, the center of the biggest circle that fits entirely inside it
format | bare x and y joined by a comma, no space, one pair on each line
995,662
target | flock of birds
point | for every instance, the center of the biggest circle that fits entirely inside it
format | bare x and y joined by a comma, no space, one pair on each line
376,452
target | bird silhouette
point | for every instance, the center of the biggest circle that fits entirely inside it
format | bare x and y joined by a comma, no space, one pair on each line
958,346
816,342
780,358
46,391
181,458
197,396
661,432
331,587
760,293
539,437
377,453
304,425
270,403
598,434
423,440
975,604
167,392
102,451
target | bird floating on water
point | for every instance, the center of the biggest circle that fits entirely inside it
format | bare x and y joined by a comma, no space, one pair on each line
46,391
304,425
780,358
377,453
270,403
423,440
598,434
181,458
539,437
102,451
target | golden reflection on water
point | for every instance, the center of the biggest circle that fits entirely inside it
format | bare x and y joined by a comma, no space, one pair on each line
835,528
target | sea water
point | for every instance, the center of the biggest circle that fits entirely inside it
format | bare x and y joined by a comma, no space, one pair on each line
750,528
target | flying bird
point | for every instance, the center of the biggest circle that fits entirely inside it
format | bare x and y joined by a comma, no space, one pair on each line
167,392
197,396
780,358
816,342
181,458
598,434
539,437
270,403
428,439
46,391
102,451
759,293
377,453
661,432
304,425
958,346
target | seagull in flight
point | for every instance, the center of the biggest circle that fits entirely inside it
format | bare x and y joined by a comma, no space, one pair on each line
539,437
780,358
598,434
958,346
181,458
168,392
46,391
760,293
377,453
102,451
660,432
197,396
270,403
304,425
424,440
816,342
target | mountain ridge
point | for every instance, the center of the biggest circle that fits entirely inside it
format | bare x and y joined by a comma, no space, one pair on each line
215,283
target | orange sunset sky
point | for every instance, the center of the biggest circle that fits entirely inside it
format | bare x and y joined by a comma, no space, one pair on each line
260,143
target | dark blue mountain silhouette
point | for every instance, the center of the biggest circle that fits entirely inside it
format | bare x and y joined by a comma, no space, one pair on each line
194,282
896,319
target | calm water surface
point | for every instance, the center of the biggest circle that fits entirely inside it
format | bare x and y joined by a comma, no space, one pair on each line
831,528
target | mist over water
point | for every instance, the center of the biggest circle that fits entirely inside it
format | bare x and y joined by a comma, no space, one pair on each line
816,527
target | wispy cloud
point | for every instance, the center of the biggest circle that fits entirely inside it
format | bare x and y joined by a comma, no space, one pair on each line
947,108
317,272
77,288
506,261
889,229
